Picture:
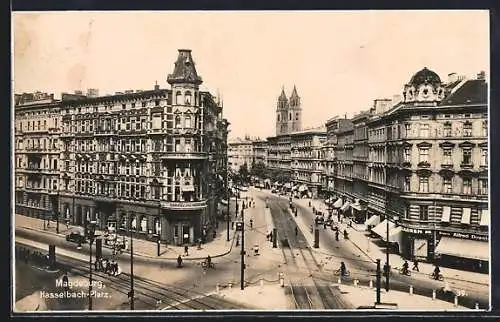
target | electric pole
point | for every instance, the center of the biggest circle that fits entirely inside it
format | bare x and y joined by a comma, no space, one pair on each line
242,277
131,271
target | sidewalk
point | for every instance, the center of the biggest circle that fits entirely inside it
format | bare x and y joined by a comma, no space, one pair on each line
143,248
362,296
362,240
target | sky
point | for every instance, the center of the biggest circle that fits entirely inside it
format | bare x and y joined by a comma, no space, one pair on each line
340,61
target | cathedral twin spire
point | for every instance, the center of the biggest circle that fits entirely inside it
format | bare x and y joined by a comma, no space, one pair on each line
294,98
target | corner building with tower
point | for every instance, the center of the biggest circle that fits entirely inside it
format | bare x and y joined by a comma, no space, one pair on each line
150,162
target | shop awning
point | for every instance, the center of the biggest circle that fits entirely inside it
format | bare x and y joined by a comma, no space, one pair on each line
302,188
345,206
357,206
381,229
485,217
464,248
288,185
395,235
338,203
446,214
373,220
466,216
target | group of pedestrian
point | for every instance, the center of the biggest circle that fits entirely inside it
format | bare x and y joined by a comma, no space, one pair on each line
36,257
107,266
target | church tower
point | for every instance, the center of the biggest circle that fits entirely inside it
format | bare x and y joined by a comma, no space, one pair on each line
294,112
282,114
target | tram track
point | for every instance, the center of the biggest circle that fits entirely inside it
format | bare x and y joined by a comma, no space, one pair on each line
149,294
319,295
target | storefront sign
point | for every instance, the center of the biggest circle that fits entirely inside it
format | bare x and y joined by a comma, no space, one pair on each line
416,231
464,236
185,205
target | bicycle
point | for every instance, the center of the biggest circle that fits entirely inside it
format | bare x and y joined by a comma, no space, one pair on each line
406,272
347,273
440,277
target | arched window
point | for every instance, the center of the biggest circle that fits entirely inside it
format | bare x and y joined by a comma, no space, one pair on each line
144,224
178,96
278,117
157,226
296,116
187,98
177,121
290,117
187,122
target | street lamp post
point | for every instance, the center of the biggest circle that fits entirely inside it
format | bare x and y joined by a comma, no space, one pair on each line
387,252
242,269
91,234
131,293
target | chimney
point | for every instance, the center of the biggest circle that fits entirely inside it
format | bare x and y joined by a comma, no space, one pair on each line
157,87
481,75
452,78
396,99
78,92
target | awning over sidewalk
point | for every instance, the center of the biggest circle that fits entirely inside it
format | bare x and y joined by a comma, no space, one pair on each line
357,206
381,229
373,220
345,206
338,203
464,248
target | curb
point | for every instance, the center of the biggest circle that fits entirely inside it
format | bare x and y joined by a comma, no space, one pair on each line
141,254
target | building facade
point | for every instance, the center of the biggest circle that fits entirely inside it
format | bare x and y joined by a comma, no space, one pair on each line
306,159
37,148
438,139
150,161
240,152
423,165
260,148
279,153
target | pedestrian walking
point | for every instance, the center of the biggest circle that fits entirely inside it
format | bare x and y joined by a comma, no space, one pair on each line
337,235
186,250
65,281
415,265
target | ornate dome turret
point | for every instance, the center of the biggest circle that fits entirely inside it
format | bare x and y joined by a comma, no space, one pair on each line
424,87
425,76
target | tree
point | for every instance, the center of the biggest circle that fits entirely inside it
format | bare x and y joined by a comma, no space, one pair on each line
243,172
259,170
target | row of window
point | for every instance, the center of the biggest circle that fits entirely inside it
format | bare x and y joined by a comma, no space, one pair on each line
39,125
423,155
424,131
132,190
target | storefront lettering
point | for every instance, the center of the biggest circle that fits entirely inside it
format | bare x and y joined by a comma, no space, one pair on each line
416,231
464,236
185,205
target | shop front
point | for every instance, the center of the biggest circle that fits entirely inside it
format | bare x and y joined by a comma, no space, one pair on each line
391,233
417,244
463,250
359,212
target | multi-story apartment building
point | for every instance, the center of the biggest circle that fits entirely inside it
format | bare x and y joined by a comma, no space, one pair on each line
306,161
442,134
37,154
240,152
343,162
150,161
426,171
279,153
260,151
